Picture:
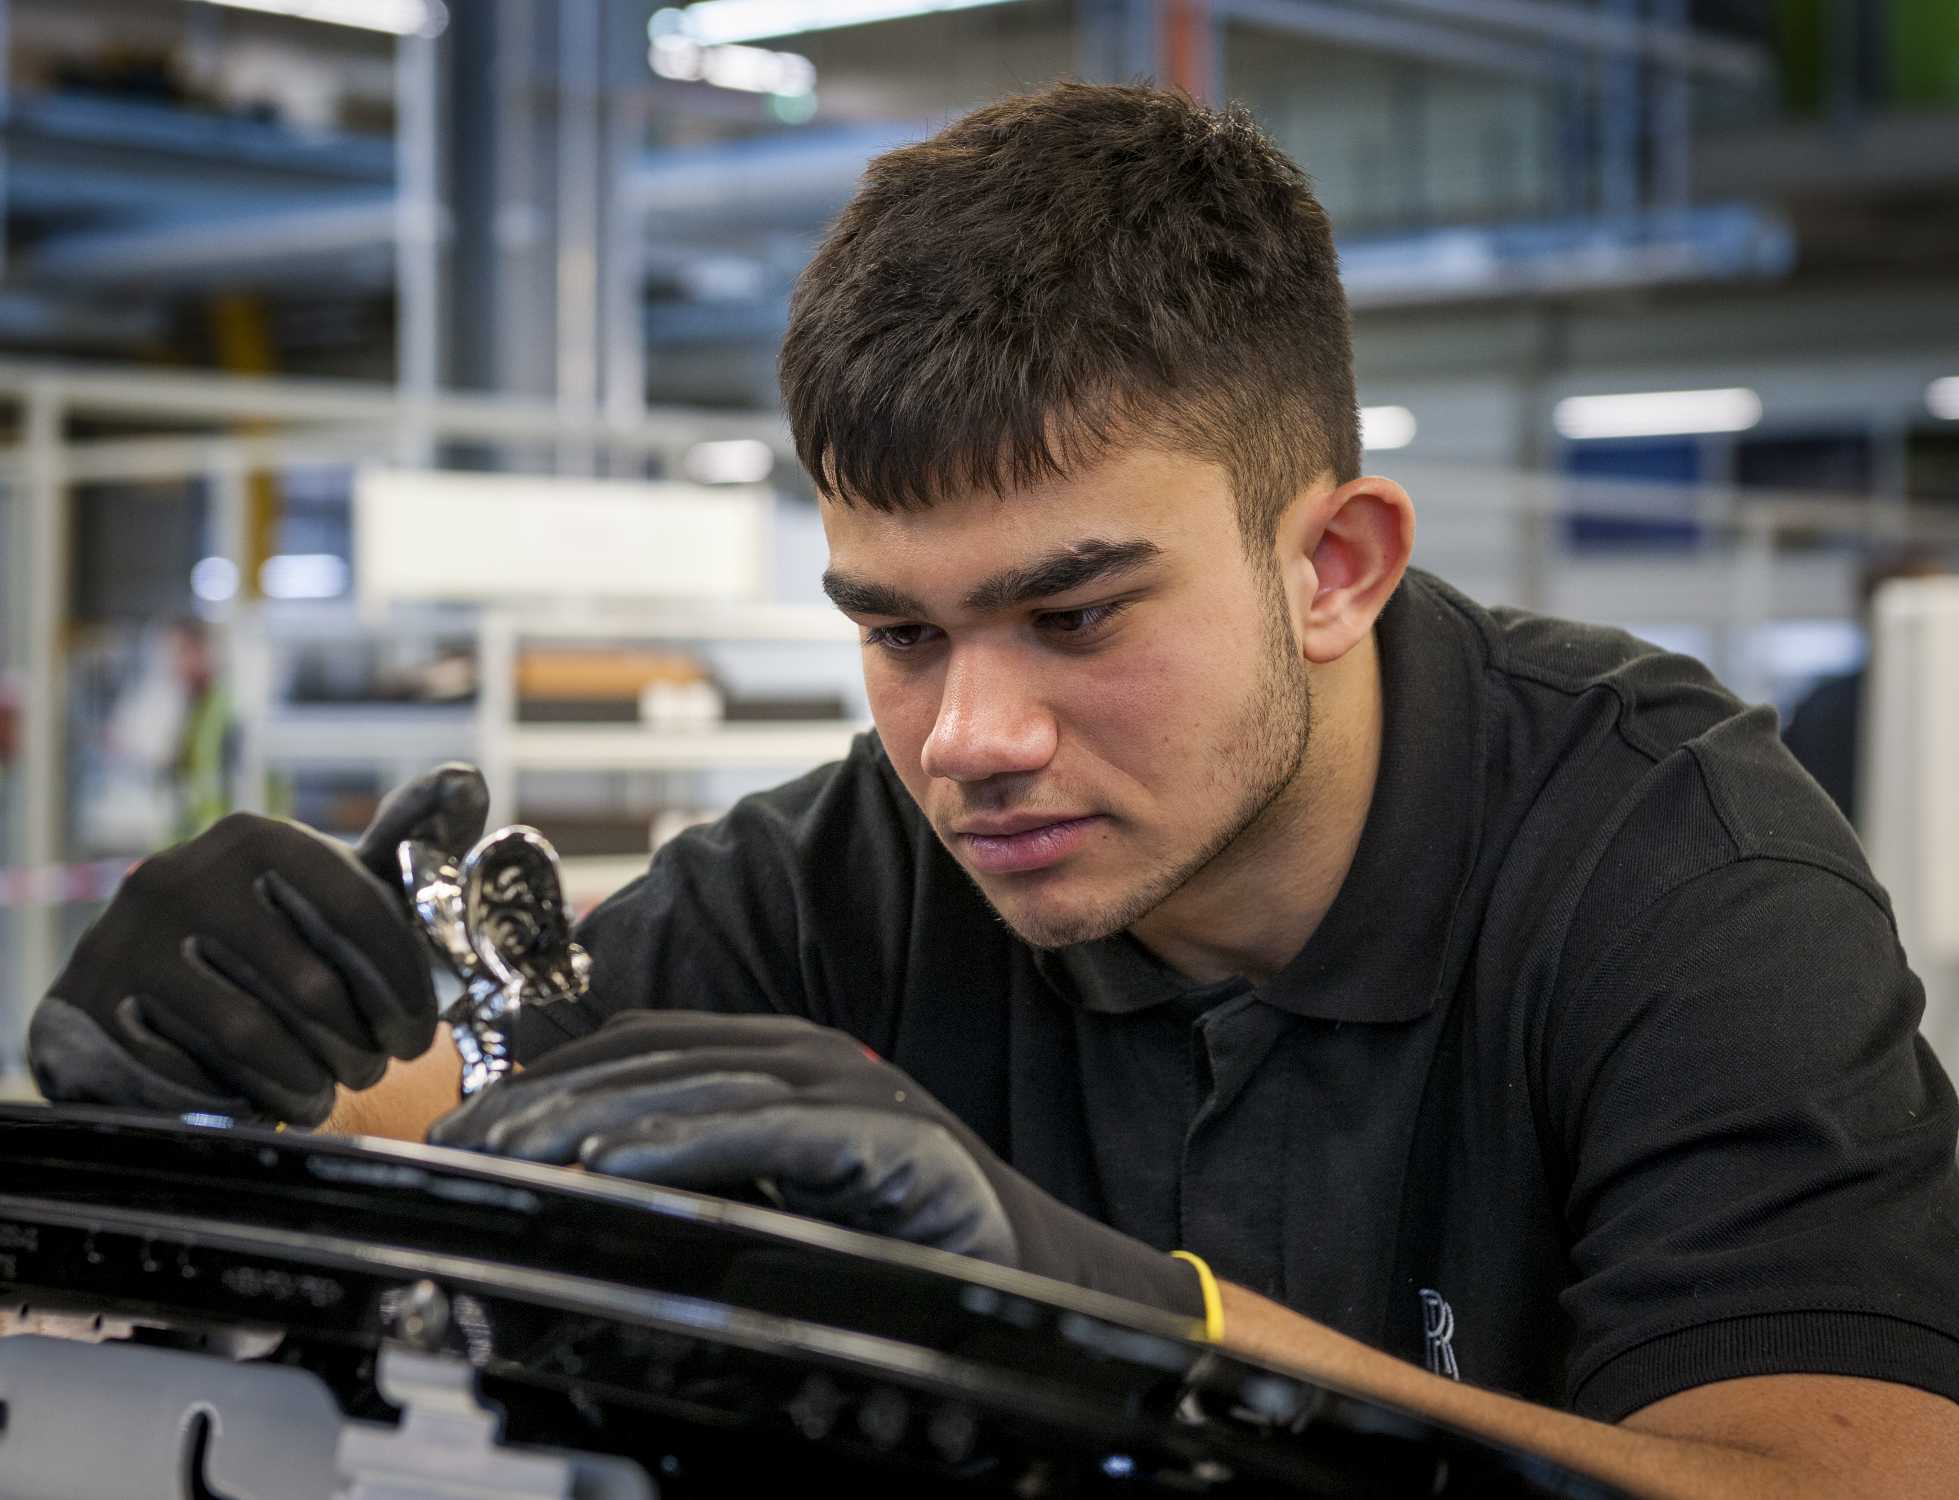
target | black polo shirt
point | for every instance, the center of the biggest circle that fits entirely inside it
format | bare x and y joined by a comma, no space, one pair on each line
1599,1080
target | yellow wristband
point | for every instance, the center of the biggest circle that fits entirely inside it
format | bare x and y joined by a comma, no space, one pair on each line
1213,1300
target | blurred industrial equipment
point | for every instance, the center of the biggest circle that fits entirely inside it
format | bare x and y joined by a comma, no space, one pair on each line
1654,306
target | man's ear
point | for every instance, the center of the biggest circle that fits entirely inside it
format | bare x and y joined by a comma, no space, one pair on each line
1342,553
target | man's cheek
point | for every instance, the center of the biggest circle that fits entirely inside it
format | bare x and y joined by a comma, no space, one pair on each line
1138,714
903,723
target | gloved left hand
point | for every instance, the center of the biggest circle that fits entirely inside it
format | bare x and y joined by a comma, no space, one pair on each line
250,970
715,1103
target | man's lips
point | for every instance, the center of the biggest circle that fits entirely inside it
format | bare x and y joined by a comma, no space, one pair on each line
1007,824
1004,846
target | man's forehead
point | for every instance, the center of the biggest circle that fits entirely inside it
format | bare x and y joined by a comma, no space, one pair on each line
1143,492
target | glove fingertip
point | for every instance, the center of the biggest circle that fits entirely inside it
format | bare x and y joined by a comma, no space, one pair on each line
408,1034
460,1130
447,1131
376,1070
314,1111
447,807
616,1156
464,797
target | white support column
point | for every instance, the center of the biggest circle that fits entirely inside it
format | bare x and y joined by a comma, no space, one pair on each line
496,710
6,104
1622,126
523,323
243,659
1751,604
43,802
418,243
579,167
622,266
1673,128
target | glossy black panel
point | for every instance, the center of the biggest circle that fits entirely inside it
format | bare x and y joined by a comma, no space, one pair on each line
717,1343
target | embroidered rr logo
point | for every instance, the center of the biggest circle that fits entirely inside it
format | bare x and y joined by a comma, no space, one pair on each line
1438,1329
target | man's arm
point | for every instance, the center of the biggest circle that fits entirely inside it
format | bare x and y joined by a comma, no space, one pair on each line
254,970
407,1100
1803,1437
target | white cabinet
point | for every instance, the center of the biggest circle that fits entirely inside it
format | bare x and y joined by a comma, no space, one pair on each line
399,740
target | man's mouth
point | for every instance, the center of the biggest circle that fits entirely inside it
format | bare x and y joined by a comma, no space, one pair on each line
1023,841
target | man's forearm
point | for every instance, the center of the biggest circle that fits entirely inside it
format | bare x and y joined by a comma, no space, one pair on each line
1796,1436
410,1098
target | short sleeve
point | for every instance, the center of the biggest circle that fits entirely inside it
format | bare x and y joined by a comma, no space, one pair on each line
1758,1147
785,905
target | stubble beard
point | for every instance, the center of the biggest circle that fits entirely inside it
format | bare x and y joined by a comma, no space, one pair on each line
1264,755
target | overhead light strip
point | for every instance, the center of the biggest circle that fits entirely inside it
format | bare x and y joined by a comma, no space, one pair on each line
304,575
395,17
713,23
1658,413
1386,427
733,461
751,70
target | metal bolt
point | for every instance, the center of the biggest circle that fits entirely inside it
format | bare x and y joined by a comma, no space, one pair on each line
422,1316
883,1417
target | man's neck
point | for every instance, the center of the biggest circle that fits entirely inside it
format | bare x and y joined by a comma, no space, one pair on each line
1254,907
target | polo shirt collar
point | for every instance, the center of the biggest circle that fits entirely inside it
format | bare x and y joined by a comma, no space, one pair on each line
1391,945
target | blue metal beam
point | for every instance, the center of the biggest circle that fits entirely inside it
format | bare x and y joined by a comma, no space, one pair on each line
1449,46
1671,45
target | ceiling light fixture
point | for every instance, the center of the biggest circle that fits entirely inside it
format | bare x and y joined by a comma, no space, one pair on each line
396,17
1386,427
214,579
718,22
732,461
1657,413
753,70
304,575
1942,398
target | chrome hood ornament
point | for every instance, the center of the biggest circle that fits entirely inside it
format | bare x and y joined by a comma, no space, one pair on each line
497,919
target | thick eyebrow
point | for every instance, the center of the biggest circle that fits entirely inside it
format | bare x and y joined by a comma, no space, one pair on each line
859,596
1071,567
1066,568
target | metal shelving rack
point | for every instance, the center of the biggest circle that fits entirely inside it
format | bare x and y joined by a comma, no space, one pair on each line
304,421
401,740
405,738
507,748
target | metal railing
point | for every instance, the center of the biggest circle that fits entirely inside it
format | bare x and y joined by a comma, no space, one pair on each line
292,421
1752,557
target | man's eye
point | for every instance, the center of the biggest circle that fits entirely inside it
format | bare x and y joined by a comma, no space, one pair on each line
896,638
1077,623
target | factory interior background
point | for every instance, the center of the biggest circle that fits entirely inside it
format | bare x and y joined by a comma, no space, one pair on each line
389,381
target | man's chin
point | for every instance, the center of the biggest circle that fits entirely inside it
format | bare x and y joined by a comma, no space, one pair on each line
1042,924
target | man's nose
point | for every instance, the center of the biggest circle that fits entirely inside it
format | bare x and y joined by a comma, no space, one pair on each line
992,720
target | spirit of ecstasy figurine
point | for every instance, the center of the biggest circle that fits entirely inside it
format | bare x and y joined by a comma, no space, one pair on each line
497,918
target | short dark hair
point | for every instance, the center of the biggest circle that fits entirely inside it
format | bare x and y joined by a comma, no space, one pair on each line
1056,271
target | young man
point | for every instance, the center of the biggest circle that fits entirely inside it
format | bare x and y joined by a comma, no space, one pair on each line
1488,1000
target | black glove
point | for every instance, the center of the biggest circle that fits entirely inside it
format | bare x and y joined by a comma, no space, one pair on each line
715,1103
246,971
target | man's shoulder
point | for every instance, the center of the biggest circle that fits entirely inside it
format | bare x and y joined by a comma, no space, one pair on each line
860,794
1652,699
843,843
838,841
1618,770
1590,715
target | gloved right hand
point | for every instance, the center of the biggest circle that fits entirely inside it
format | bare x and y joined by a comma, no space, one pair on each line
247,971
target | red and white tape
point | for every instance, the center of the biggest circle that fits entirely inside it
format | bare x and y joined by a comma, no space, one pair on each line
61,885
